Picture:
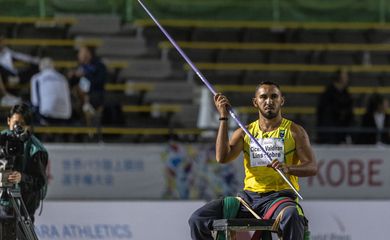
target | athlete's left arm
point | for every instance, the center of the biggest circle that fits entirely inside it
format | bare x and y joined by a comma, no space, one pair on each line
308,164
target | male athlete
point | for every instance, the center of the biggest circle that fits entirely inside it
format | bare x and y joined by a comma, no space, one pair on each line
288,145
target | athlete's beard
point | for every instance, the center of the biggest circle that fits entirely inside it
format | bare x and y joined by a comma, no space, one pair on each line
269,114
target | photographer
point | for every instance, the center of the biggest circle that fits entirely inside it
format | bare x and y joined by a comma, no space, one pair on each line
28,171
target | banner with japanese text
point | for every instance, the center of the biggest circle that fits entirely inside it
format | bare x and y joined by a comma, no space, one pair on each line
189,171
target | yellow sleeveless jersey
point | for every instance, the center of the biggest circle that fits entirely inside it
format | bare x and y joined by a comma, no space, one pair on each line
279,144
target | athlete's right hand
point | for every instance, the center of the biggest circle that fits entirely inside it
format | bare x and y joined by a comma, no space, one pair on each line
222,104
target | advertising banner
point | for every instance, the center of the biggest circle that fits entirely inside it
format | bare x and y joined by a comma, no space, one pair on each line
105,172
190,171
349,173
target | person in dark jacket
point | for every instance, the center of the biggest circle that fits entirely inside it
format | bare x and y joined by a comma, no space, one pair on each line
375,122
335,111
29,170
90,78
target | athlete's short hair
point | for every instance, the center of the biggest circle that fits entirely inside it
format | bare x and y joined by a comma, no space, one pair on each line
267,83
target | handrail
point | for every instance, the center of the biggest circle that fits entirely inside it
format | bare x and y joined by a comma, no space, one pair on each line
287,67
279,46
312,89
152,108
38,20
305,89
299,110
52,42
117,130
113,64
260,24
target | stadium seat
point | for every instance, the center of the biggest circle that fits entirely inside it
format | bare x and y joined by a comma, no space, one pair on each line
226,77
282,78
196,55
311,36
146,69
31,31
171,92
265,35
216,34
95,25
340,58
242,56
59,53
314,78
187,117
122,47
349,36
300,100
379,57
365,79
238,99
293,57
153,35
378,36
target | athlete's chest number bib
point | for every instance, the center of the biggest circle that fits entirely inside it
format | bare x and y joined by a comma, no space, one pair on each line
273,146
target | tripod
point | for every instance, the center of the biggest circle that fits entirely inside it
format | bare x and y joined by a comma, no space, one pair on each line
24,226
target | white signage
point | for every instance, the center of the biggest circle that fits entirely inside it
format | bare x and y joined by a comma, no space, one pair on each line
347,220
115,220
349,173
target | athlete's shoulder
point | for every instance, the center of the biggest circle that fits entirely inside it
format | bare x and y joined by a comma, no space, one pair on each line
297,130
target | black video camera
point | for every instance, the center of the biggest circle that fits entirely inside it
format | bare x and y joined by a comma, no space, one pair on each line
11,150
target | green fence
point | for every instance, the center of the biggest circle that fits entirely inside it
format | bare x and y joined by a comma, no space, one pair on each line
254,10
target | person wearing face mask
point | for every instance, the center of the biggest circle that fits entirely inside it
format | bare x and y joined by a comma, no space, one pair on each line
286,142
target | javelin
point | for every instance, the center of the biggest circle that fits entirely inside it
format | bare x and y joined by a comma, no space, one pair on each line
210,87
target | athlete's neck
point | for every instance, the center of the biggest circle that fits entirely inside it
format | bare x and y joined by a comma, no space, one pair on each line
267,125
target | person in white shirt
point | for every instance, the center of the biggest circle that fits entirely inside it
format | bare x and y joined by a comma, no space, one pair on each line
7,67
50,95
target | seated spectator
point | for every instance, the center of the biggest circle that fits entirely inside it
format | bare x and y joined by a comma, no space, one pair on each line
89,80
8,72
375,122
50,95
335,111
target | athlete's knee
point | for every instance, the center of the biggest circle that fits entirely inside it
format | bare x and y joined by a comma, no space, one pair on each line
291,214
194,219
